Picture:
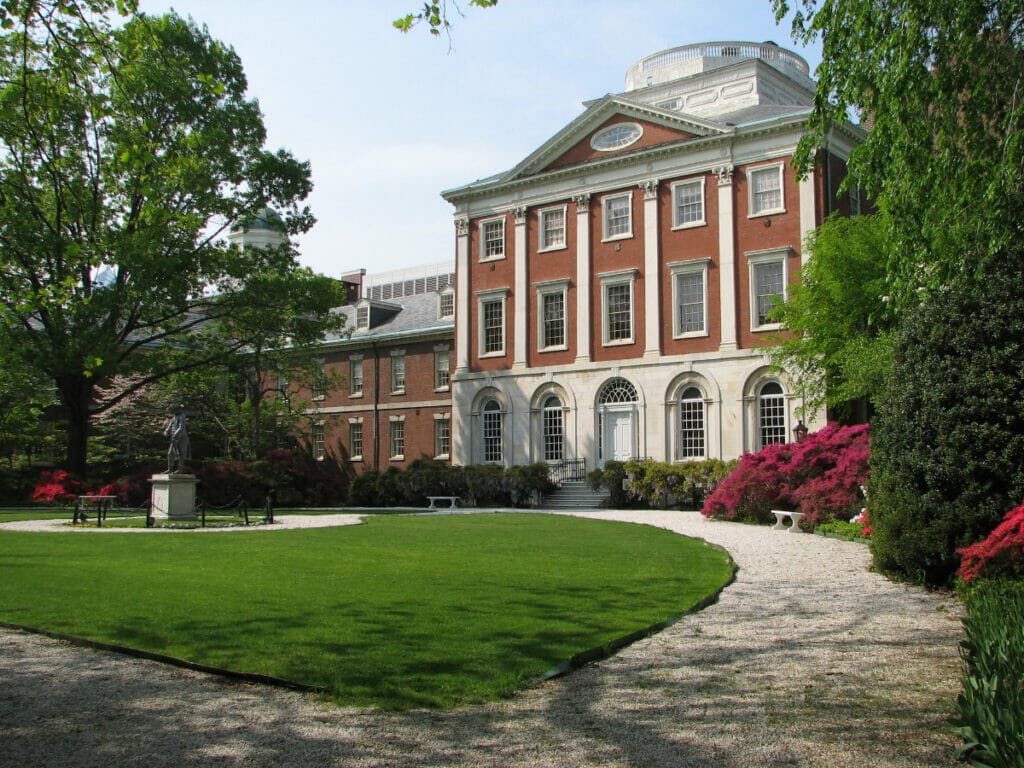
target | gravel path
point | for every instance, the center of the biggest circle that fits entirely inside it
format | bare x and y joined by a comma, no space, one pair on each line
808,659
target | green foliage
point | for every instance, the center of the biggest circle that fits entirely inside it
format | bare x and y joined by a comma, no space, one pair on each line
611,478
840,529
839,348
125,155
940,80
991,701
526,484
948,444
435,15
400,612
682,486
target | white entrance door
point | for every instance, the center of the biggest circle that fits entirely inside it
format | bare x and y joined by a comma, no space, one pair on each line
618,435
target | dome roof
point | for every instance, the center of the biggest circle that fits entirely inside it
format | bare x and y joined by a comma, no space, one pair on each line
266,219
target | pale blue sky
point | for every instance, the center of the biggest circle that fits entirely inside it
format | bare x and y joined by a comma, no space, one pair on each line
388,120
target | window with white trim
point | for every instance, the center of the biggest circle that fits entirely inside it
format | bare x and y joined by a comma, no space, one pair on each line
766,190
690,298
767,287
492,239
688,204
355,440
617,215
553,429
362,316
397,439
317,441
691,424
397,371
617,307
552,315
442,367
442,436
771,414
319,386
551,223
490,419
491,310
446,304
355,376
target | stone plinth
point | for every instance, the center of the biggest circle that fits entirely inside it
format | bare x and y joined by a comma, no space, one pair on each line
173,496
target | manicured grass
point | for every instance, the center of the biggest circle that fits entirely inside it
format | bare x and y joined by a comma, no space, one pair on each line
11,514
400,612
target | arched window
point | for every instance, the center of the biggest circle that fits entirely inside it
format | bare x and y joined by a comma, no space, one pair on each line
771,414
553,429
617,421
492,441
691,424
617,391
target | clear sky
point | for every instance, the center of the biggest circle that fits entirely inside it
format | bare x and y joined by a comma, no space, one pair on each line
389,120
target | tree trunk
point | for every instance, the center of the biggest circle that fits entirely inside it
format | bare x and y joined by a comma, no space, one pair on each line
75,394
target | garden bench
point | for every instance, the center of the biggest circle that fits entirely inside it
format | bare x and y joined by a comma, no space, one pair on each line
451,501
100,505
781,514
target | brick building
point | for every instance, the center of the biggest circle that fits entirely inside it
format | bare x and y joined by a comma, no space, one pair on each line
384,396
614,288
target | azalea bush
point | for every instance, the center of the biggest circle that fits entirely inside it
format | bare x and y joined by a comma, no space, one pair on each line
57,487
821,476
1001,555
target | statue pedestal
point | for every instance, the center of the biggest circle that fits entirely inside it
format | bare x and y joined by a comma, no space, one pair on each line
173,496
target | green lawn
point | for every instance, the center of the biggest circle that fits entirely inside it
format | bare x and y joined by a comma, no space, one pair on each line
400,612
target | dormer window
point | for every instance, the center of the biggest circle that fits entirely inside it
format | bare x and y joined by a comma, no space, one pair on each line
446,304
362,316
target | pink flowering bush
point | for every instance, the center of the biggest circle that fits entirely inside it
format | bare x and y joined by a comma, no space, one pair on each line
56,487
1001,555
820,476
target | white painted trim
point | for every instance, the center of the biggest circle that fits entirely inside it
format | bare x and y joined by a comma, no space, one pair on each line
759,258
481,228
606,200
541,221
751,213
689,267
676,185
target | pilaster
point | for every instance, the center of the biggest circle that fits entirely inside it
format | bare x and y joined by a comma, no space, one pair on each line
726,257
462,325
583,278
520,297
652,275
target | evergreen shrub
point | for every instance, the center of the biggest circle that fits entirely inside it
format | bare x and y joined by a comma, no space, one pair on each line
948,437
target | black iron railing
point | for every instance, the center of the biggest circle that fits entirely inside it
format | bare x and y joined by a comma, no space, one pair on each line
568,469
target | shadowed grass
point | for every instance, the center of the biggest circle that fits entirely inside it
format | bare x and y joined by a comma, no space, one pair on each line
399,612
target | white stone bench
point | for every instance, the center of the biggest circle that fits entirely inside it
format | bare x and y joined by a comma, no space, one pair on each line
434,499
781,514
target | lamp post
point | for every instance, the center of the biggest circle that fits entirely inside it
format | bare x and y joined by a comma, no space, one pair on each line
800,431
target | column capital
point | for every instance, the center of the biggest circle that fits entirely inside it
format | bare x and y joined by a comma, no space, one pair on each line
724,174
519,212
650,188
461,226
582,202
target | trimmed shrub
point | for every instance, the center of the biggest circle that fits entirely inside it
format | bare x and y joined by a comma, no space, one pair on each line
948,438
683,485
821,476
526,483
1001,555
362,491
991,701
485,485
610,478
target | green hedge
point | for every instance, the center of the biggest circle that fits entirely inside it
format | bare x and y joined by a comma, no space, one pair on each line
659,484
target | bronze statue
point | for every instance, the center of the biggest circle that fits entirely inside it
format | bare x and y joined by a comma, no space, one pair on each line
177,431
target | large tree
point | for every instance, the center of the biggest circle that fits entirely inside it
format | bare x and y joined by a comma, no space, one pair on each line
126,155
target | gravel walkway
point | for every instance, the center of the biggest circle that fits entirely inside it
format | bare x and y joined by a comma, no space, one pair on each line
808,659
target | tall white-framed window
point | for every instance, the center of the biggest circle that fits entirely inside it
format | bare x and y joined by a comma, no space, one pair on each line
552,315
617,216
688,204
854,196
491,437
397,438
442,367
689,298
492,239
319,386
355,439
362,316
446,304
765,189
768,284
491,311
771,414
551,228
317,441
617,306
553,429
355,376
692,435
397,371
442,435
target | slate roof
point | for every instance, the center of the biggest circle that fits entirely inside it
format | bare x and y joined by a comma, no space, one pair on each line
404,317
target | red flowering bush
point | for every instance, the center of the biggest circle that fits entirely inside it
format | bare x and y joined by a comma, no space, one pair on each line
57,487
1001,555
820,476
